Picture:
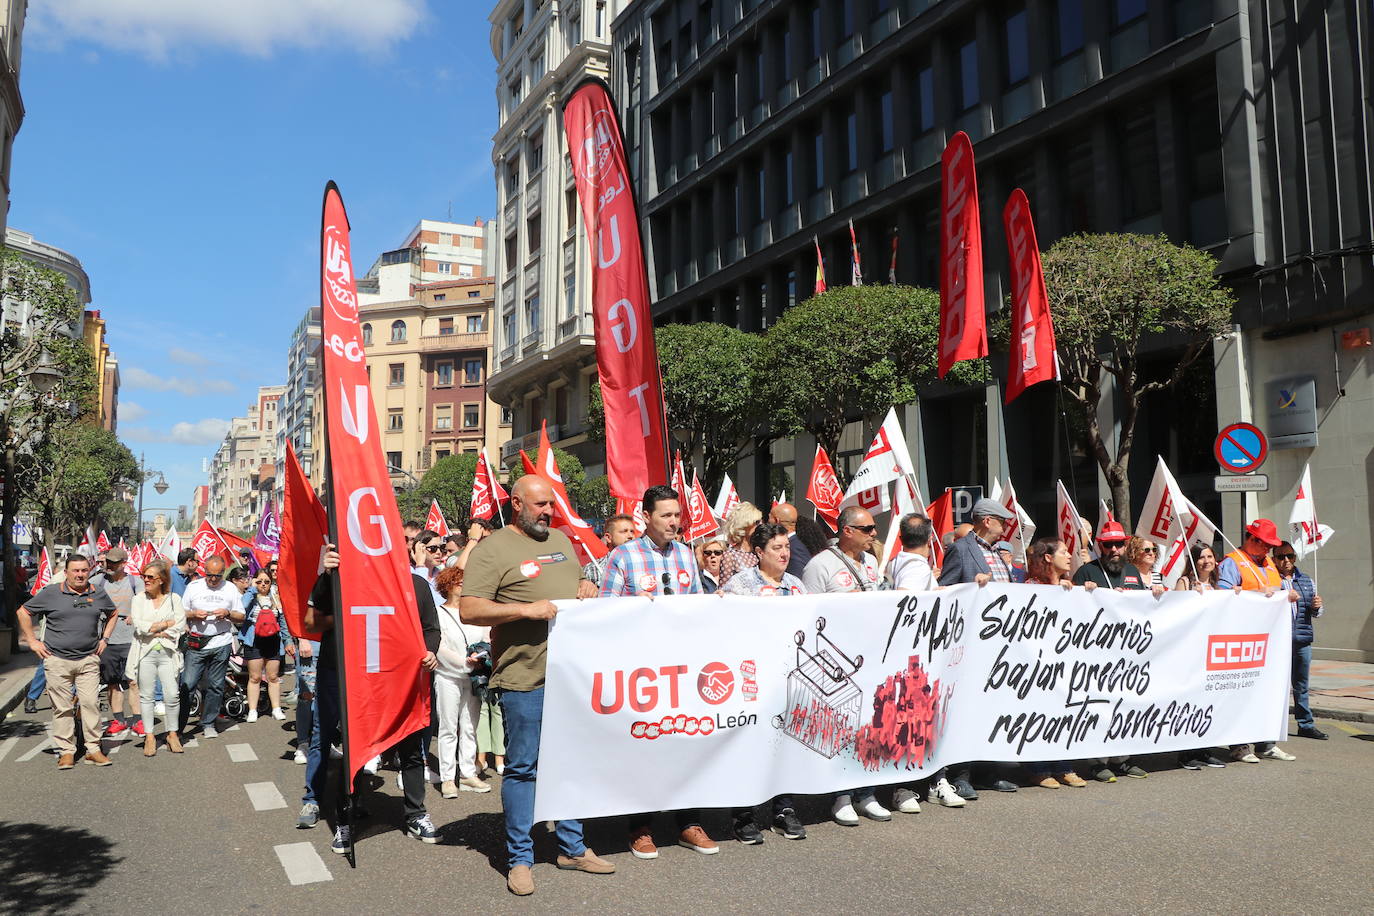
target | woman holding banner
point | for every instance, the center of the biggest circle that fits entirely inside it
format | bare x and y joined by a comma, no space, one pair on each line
768,577
1048,563
1202,575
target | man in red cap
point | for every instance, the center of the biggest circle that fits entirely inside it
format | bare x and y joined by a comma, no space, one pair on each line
1110,569
1251,569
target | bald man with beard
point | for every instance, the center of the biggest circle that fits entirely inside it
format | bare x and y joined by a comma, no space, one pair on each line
510,585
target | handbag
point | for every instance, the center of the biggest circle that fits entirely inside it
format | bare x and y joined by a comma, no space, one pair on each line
481,669
266,625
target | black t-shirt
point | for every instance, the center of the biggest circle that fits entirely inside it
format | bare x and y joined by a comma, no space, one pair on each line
322,600
1128,578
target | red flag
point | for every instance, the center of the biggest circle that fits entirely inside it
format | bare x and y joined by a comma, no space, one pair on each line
304,532
1033,356
207,543
634,508
236,545
856,270
820,267
384,691
700,522
679,483
963,326
941,515
102,543
527,463
435,522
131,565
44,574
823,490
565,518
892,267
484,488
626,355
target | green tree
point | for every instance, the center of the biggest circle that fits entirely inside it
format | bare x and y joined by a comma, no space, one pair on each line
116,513
851,349
75,472
1110,293
596,500
450,482
573,474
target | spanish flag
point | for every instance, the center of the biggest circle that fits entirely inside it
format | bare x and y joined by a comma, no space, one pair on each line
820,267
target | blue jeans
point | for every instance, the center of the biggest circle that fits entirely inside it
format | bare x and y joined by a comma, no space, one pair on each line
325,733
523,712
214,664
1302,664
38,684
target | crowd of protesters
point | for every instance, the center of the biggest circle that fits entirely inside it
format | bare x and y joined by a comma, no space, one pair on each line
151,639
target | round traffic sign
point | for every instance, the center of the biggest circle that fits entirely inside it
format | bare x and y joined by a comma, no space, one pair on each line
1240,448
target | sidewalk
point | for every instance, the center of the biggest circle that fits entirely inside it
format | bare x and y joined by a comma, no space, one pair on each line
15,675
1342,690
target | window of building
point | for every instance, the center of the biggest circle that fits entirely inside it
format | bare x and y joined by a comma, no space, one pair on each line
575,31
785,53
1078,182
474,324
818,160
569,295
537,67
471,416
925,98
1068,28
367,335
1016,42
512,252
443,374
761,193
466,270
397,378
560,406
536,153
968,76
885,126
760,74
788,195
443,267
1125,11
440,297
441,453
443,416
395,420
851,136
512,176
600,17
534,228
1202,143
507,416
445,326
533,319
513,89
393,461
817,42
472,372
846,18
1139,156
508,329
398,331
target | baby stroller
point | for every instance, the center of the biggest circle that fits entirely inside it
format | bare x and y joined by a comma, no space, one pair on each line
235,702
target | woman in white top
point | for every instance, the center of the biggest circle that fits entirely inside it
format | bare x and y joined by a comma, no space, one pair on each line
155,657
454,697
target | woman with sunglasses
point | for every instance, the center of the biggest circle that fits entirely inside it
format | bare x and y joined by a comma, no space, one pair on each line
158,620
709,554
265,639
1143,554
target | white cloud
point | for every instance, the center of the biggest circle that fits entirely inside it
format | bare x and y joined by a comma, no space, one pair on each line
186,357
134,377
156,28
132,412
209,431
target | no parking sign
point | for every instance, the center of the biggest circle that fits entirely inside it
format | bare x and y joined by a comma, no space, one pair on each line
1241,448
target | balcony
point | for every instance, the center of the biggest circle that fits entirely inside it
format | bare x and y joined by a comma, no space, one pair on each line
529,442
432,343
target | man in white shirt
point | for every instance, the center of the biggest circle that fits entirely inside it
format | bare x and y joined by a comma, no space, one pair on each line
910,569
214,607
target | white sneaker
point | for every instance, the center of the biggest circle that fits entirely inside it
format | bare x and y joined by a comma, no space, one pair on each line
842,812
371,766
1246,758
252,715
278,714
907,801
943,793
159,708
871,809
1277,753
300,757
209,731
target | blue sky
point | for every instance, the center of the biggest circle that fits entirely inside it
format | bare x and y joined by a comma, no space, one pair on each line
180,150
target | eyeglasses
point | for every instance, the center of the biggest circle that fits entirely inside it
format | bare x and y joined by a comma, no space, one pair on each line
866,529
713,553
1112,545
214,575
1285,556
433,549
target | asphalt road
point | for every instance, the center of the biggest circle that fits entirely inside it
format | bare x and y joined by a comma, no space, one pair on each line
178,834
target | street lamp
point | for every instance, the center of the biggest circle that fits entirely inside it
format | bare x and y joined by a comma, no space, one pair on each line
161,486
45,375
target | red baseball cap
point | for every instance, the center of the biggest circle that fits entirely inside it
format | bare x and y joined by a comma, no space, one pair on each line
1263,529
1111,532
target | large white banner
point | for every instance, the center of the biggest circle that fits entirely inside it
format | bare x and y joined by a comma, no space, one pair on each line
712,702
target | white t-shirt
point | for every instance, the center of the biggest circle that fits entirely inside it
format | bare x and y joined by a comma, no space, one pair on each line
831,571
200,596
911,572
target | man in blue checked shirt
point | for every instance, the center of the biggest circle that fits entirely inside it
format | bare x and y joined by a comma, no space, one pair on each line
658,564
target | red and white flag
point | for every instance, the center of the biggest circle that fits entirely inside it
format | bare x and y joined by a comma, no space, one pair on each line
132,566
892,267
907,499
700,522
207,543
941,515
634,508
1165,507
102,543
44,574
1175,558
1019,531
856,270
1309,534
435,521
679,483
385,692
626,355
886,460
963,324
1033,355
1104,515
87,546
304,534
726,500
1068,525
487,494
823,489
170,546
565,518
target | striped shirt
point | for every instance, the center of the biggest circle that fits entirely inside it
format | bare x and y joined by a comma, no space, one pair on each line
996,565
640,567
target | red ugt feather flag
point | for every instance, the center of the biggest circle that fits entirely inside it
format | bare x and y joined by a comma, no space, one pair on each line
304,533
701,523
963,327
589,547
435,520
1033,356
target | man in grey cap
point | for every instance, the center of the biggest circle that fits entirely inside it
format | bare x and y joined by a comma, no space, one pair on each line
974,558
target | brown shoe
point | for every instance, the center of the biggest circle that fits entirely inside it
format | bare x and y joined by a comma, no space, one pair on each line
149,746
97,759
1049,782
66,761
1073,779
695,839
173,743
642,843
520,881
589,862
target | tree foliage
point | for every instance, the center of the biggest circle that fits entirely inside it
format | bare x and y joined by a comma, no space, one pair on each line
574,479
73,474
1108,294
449,481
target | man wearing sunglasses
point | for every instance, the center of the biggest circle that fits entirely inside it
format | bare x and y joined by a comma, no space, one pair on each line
214,606
1307,606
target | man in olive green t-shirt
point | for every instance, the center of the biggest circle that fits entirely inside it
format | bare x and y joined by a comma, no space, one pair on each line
510,584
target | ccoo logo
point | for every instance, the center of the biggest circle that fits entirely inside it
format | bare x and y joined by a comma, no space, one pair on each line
1229,653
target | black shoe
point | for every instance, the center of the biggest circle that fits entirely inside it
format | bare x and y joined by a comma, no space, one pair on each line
31,707
1306,731
1213,762
786,824
343,839
1003,785
1190,764
422,828
747,832
964,789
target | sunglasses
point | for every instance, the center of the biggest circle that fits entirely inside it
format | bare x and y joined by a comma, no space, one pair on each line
713,553
1112,545
1285,556
433,549
866,529
1149,550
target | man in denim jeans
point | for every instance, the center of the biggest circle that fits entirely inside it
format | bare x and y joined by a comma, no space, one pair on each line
214,608
1307,606
510,585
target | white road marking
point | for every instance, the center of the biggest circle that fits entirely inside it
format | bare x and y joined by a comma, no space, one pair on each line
8,745
40,748
241,753
265,796
302,863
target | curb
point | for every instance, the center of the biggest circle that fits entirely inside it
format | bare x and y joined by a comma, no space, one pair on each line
11,696
1342,715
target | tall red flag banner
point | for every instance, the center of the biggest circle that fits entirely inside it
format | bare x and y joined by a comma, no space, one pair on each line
941,515
1033,356
626,356
700,522
304,533
963,326
435,521
823,489
820,267
383,691
856,271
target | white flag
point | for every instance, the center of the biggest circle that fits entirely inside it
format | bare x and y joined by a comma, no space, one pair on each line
907,499
1174,559
727,500
1166,512
1069,525
171,545
1104,515
1308,533
887,459
1020,530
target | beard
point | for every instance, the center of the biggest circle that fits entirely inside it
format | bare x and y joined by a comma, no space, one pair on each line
534,525
1113,565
